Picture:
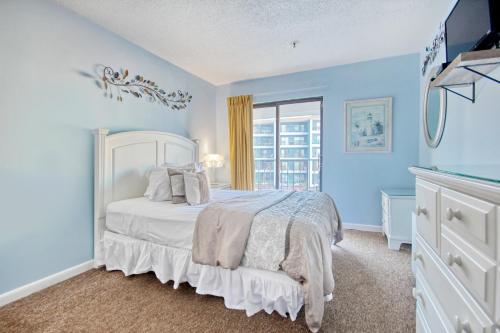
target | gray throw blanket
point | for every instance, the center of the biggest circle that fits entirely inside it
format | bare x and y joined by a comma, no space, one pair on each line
312,229
292,231
222,228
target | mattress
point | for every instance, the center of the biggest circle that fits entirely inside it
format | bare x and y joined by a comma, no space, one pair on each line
161,222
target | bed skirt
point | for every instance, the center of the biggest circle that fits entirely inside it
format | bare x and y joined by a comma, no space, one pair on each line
244,288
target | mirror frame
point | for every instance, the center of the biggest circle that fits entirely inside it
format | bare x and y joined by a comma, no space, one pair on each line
434,142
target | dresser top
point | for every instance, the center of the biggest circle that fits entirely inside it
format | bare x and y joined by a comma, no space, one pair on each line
488,173
399,192
479,181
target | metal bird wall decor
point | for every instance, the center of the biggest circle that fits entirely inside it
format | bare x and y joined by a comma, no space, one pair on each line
118,84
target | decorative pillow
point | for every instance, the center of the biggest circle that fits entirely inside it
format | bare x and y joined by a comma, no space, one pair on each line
177,183
159,188
177,180
197,187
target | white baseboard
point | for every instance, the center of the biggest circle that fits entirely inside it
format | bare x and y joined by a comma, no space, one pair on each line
48,281
362,227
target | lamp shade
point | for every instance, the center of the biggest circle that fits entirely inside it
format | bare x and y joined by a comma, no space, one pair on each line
213,160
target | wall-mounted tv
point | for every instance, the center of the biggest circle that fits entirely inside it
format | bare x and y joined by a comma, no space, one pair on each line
472,25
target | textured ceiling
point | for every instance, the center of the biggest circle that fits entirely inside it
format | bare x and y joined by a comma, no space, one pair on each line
223,41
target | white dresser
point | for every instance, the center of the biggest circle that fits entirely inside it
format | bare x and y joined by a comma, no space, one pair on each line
397,206
456,252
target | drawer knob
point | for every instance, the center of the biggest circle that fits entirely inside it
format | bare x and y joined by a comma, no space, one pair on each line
450,214
451,259
418,256
417,294
421,210
462,326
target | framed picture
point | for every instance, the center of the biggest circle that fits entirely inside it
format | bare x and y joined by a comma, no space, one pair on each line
368,125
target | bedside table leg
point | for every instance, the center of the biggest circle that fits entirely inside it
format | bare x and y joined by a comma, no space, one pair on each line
393,244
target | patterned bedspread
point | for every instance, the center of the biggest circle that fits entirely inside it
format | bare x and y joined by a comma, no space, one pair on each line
266,245
282,231
296,235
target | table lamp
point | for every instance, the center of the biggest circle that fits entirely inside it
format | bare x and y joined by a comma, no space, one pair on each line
212,161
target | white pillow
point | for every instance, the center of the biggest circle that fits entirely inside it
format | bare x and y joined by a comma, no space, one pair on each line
177,182
159,188
197,187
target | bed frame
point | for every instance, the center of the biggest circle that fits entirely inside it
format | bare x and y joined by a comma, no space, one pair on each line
122,161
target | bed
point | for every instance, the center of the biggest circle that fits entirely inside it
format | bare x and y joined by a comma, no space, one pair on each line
135,235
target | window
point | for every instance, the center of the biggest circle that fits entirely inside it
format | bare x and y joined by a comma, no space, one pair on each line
264,153
316,139
292,128
263,141
316,125
300,140
315,166
263,129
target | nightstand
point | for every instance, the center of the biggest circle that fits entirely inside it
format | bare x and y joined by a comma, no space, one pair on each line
220,186
397,206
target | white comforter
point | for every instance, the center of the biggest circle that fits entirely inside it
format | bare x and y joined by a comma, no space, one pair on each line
162,222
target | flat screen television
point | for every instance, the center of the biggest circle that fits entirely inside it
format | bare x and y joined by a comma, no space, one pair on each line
472,25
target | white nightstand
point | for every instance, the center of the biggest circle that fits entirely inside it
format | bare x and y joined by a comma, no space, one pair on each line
397,206
220,186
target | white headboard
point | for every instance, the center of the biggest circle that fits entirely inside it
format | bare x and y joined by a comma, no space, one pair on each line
122,161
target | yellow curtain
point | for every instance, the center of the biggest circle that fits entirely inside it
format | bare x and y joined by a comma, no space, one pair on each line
239,112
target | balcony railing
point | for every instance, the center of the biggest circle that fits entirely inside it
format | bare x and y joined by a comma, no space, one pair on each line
293,176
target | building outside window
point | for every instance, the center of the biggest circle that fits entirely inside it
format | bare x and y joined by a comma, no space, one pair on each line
263,129
299,134
316,125
316,139
263,141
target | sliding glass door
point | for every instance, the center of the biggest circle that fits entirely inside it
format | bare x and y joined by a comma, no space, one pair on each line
287,145
264,147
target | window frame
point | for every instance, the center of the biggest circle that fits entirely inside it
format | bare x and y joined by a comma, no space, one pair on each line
276,105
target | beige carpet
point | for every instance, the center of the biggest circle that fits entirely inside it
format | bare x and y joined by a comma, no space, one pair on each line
372,294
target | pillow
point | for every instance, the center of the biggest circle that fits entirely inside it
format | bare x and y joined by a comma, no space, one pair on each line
176,175
197,187
177,182
159,188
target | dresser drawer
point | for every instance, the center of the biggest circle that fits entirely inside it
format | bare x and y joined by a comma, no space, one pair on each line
426,211
422,326
430,309
459,307
471,218
471,267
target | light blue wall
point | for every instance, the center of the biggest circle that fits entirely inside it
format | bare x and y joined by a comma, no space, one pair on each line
472,131
47,112
354,180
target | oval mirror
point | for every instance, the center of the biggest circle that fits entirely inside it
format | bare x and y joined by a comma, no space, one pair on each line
434,112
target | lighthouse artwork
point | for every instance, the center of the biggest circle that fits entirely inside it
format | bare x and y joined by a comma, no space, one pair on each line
368,125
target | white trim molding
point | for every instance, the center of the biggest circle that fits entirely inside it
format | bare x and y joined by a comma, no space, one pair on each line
362,227
33,287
